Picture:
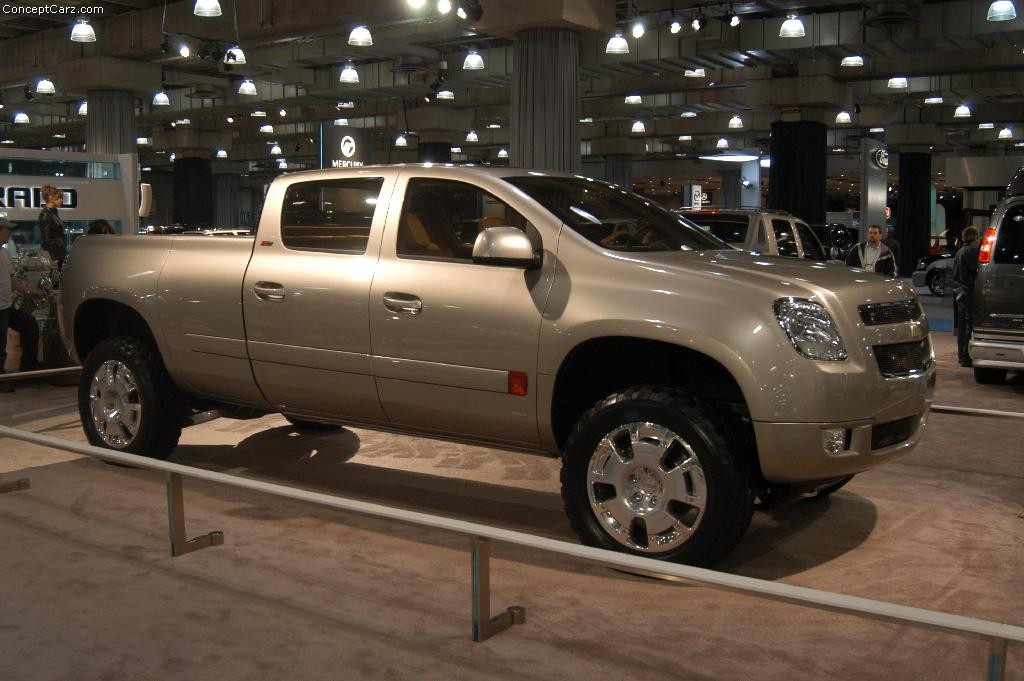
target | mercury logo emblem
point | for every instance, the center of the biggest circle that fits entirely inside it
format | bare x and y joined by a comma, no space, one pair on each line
348,146
881,158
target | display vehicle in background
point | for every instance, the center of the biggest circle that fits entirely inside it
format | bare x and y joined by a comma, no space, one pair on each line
934,272
758,229
679,381
997,301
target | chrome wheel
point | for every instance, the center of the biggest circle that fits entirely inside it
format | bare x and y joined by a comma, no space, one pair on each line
646,487
115,404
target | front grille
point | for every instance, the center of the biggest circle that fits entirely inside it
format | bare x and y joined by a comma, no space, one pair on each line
890,313
904,359
886,434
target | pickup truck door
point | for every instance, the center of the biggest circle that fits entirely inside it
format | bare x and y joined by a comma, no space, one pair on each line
305,294
453,340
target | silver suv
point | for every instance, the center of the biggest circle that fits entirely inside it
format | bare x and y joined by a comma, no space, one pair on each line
756,229
997,344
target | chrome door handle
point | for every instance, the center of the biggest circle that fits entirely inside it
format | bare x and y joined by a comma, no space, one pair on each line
269,290
403,302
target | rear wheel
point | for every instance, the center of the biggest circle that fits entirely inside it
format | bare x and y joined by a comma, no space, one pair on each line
647,472
937,283
989,376
127,401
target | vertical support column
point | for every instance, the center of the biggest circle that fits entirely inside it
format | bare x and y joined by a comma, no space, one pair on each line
618,169
545,80
798,173
996,660
226,199
874,185
180,545
485,626
730,189
193,190
914,212
110,125
750,184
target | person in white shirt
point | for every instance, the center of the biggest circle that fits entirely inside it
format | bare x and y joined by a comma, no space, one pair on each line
872,255
25,324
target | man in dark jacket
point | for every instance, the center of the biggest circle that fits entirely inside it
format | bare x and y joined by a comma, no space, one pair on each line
965,271
872,255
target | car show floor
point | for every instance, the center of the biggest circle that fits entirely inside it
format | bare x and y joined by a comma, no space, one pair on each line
88,589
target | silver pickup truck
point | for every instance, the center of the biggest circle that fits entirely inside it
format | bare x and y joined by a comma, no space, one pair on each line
679,381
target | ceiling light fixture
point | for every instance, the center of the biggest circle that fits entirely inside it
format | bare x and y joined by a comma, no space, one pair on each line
161,99
282,113
639,128
82,32
172,157
503,153
345,104
934,99
416,4
349,74
456,150
852,60
698,23
234,55
986,126
20,117
843,118
617,44
142,141
876,130
444,6
267,129
634,99
722,143
473,61
400,141
694,73
898,83
688,114
735,123
638,29
792,27
731,158
587,119
221,153
45,87
674,25
247,88
341,121
184,51
207,8
445,94
360,37
685,138
494,126
471,136
1005,134
230,119
258,113
1001,10
83,109
275,150
733,18
962,111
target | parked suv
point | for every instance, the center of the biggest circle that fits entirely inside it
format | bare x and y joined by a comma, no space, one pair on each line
997,344
757,229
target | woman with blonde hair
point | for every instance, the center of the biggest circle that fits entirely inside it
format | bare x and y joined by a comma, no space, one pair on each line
52,226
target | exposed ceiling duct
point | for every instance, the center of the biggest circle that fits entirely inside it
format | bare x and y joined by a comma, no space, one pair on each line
893,14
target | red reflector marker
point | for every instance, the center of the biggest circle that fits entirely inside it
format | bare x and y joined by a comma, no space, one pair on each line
517,382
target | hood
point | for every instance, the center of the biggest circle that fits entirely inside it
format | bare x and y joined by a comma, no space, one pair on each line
783,276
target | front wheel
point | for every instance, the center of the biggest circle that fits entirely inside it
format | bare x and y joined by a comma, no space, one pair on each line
647,472
127,401
937,283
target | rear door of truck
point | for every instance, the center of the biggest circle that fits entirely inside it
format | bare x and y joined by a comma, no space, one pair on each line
1002,278
305,293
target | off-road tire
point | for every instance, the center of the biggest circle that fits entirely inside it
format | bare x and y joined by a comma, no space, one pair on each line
162,406
729,497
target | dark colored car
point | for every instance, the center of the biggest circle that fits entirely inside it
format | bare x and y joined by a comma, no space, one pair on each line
935,272
997,344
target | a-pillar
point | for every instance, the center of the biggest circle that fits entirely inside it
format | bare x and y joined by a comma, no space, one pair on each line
874,185
545,77
914,210
618,169
110,124
193,189
797,180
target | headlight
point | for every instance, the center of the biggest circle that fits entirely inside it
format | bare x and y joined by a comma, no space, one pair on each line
810,329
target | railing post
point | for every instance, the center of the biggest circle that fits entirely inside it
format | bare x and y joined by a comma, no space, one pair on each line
176,520
996,659
14,486
485,626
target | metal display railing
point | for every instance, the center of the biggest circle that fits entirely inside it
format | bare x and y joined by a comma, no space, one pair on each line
997,635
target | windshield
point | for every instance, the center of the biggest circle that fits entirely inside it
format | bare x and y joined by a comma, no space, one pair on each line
729,228
614,218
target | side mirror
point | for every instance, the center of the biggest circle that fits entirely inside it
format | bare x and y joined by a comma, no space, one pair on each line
505,247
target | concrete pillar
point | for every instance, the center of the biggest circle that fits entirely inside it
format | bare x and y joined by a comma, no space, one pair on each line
750,184
730,188
874,185
193,190
798,173
913,214
227,200
434,152
545,77
618,169
110,125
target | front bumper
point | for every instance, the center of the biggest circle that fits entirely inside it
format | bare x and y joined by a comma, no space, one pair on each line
794,452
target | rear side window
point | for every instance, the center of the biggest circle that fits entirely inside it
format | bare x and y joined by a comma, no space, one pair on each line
330,215
732,229
812,247
1009,247
784,238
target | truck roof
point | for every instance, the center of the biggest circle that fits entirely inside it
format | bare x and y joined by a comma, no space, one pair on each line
455,169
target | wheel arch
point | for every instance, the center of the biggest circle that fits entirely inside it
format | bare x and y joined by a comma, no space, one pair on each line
100,318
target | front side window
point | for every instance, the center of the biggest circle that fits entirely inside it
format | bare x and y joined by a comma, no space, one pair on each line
812,247
614,218
784,238
330,215
442,218
1009,248
732,229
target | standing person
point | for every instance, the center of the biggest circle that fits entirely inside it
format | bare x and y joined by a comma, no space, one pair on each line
54,241
965,271
25,324
893,244
872,255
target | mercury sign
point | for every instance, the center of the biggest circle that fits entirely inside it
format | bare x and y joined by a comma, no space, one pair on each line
348,146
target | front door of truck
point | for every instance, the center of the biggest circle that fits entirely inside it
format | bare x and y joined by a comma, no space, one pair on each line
305,295
455,343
